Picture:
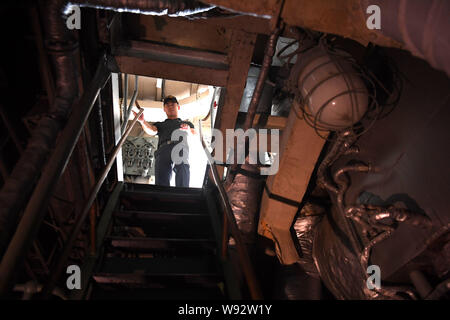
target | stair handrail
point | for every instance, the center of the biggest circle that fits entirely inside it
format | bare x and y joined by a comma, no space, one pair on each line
230,223
82,217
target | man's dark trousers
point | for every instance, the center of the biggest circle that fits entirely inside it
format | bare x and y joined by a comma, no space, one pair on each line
164,166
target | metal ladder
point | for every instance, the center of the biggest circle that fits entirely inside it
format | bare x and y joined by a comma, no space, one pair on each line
159,243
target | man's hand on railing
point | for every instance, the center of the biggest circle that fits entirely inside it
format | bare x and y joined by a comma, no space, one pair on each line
141,118
148,127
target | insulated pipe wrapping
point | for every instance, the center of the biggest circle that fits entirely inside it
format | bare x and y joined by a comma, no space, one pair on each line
305,227
150,7
422,26
34,213
244,195
62,48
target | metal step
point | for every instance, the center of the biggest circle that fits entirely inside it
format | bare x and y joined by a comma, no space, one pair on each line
155,202
152,191
161,246
133,280
159,198
160,214
166,224
109,292
160,266
174,246
159,272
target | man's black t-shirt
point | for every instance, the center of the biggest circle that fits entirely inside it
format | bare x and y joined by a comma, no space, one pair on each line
166,128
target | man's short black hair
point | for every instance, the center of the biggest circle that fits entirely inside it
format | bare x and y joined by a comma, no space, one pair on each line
170,98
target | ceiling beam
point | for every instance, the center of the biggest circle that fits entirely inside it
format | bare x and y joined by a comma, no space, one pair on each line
178,31
172,54
346,18
262,8
172,71
194,97
240,57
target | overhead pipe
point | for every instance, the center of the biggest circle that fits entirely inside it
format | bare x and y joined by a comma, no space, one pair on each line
127,110
343,182
267,62
172,8
250,117
124,99
163,89
342,145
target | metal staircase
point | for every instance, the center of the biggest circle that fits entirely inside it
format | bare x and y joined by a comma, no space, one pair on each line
149,242
159,243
